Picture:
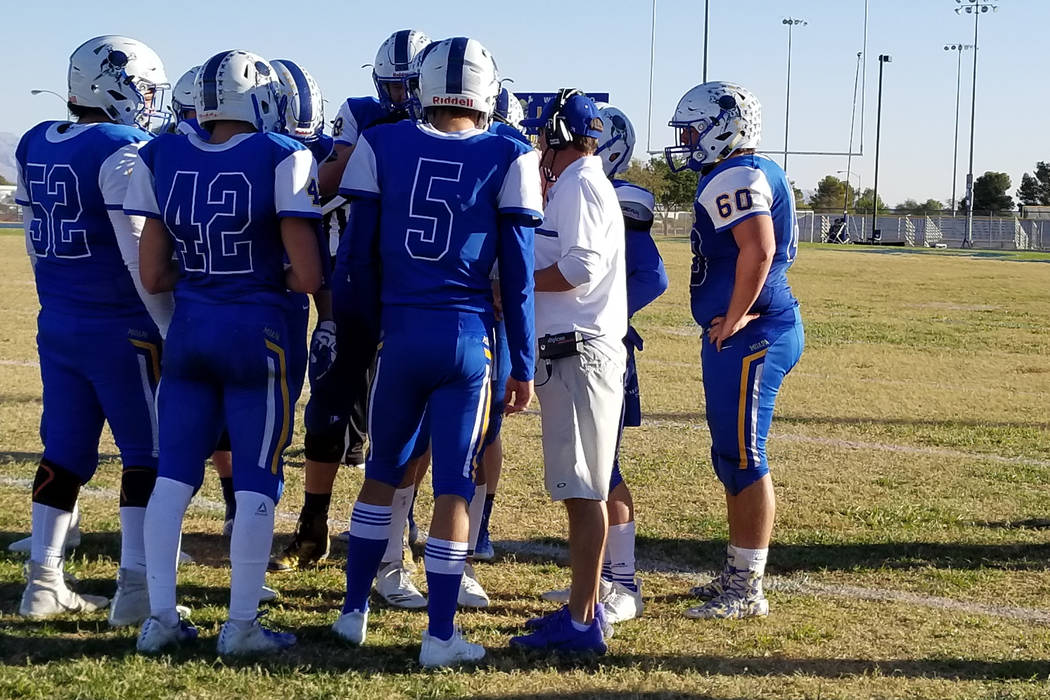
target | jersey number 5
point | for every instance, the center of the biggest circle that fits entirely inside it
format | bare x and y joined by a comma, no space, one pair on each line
430,210
209,222
54,191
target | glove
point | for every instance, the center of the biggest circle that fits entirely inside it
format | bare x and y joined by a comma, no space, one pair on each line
322,350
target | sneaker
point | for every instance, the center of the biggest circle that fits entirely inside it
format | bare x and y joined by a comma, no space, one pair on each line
46,594
561,595
455,650
130,605
471,594
621,603
395,585
155,635
600,615
714,587
483,550
557,633
268,594
741,598
352,626
309,546
244,638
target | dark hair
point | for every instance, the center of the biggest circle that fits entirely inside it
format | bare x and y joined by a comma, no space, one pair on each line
454,112
587,145
80,111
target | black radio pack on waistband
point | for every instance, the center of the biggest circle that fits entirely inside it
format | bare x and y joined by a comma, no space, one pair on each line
554,347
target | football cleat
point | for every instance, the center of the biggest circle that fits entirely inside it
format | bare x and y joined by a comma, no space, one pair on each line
741,598
130,605
247,638
394,584
156,635
621,603
268,594
471,593
455,650
714,587
46,594
352,626
483,550
184,558
309,546
556,632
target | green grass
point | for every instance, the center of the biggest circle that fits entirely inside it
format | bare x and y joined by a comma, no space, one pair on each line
911,453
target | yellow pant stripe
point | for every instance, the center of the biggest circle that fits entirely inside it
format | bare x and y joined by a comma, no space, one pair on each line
154,356
285,404
741,416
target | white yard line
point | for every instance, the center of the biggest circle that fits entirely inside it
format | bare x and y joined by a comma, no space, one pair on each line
793,584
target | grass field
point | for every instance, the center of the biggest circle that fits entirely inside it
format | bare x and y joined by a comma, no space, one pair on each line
911,451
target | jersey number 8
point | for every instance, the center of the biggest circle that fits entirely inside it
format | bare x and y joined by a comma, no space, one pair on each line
743,202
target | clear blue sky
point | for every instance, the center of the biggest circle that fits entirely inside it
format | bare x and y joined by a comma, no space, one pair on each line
605,47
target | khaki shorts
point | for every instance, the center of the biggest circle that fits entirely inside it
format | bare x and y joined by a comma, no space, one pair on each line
580,411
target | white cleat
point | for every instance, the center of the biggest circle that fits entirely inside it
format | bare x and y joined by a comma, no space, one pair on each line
249,638
471,593
436,653
352,627
561,595
47,595
156,635
621,603
130,605
395,585
268,594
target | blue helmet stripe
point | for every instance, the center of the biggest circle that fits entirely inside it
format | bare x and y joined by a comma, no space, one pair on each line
457,53
401,50
302,86
210,81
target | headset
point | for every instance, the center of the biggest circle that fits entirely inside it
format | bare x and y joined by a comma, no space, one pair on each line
556,130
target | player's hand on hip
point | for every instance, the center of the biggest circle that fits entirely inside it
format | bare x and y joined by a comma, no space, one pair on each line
720,331
518,396
322,350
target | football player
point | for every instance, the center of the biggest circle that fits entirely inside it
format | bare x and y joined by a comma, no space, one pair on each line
182,105
99,347
744,239
434,206
336,405
239,212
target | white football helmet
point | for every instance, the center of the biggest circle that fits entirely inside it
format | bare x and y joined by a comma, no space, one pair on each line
123,77
395,64
239,86
182,94
508,109
616,144
726,118
459,72
301,106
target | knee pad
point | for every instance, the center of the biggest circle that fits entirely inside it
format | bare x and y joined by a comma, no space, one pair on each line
136,486
56,486
732,476
327,446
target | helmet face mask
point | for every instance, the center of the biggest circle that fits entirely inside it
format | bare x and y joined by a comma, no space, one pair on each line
508,110
396,69
123,78
182,94
713,121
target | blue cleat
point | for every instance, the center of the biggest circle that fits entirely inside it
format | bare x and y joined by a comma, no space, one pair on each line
555,632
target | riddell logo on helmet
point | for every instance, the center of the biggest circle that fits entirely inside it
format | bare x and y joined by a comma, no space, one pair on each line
452,101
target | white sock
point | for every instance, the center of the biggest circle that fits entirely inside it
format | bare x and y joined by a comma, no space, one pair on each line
249,553
753,560
50,528
619,548
74,523
398,522
476,510
132,543
162,533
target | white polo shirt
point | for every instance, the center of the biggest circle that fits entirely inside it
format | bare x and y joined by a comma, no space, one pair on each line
582,232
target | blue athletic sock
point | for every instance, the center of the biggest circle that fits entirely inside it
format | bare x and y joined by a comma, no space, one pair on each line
444,562
485,515
369,529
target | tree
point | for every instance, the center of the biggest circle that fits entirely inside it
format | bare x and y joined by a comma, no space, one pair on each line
863,204
930,206
831,193
989,193
647,176
908,206
4,181
681,186
1035,189
800,196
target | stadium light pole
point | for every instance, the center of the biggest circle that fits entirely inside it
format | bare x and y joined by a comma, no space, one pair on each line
652,62
975,8
707,23
790,23
958,48
883,60
852,125
48,92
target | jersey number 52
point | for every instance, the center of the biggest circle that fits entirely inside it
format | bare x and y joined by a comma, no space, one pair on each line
55,228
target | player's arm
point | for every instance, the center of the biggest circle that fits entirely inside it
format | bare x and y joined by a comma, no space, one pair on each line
757,243
517,299
581,259
298,204
646,277
331,171
157,270
300,243
22,198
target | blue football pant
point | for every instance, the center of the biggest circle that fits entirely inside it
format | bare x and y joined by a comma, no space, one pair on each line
439,360
500,374
97,370
741,384
226,366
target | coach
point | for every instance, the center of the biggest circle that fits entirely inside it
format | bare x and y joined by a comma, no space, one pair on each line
581,319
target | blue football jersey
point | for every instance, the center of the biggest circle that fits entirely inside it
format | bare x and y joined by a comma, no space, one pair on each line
510,132
355,115
221,204
191,126
735,190
441,195
72,176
